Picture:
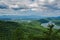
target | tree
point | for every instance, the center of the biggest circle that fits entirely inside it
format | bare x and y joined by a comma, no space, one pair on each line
52,34
18,34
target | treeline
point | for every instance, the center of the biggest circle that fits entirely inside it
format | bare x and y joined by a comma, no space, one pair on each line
27,31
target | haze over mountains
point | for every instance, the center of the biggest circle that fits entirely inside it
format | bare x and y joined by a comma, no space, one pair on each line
14,17
42,19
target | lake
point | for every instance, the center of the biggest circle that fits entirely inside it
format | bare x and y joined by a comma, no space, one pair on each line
46,24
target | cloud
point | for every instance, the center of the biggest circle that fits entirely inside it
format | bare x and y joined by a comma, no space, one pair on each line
42,7
3,5
15,7
33,5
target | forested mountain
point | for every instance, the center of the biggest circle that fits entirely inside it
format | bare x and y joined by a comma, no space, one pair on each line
32,30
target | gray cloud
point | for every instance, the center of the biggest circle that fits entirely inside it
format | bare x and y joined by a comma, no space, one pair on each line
3,6
34,5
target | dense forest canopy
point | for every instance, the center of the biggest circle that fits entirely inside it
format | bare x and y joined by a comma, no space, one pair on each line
24,30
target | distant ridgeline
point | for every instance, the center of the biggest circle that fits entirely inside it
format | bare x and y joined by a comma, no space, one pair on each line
10,17
56,20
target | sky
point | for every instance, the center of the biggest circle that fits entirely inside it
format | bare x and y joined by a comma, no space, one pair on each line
46,8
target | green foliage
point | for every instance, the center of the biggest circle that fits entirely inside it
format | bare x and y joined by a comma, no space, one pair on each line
27,31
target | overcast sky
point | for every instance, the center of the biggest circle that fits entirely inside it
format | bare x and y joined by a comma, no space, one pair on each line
30,7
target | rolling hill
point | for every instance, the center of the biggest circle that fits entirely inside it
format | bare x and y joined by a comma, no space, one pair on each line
55,20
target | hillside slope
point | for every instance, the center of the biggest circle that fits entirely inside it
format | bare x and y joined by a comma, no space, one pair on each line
26,31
